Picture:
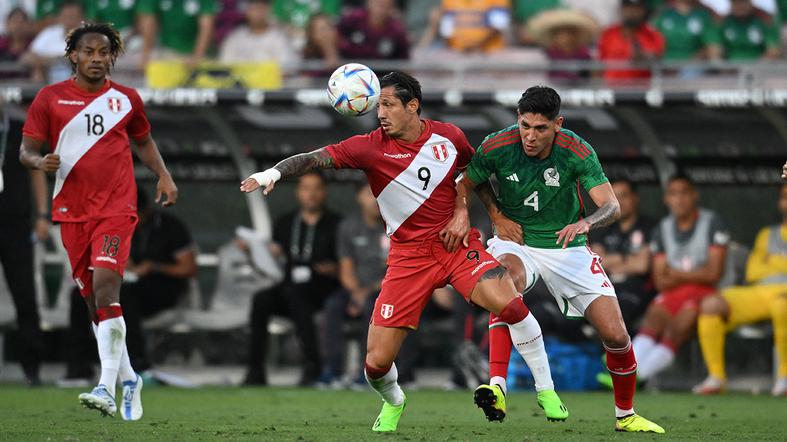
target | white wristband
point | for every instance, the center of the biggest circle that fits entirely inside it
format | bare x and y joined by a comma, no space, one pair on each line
266,177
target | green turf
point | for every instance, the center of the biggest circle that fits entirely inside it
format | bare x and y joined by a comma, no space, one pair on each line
296,414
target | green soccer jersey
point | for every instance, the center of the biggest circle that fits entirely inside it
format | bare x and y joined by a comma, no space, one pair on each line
748,39
686,34
541,195
118,12
298,12
178,20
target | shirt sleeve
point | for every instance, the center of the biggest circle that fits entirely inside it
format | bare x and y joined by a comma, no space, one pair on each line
719,235
37,121
351,153
656,246
590,172
344,240
481,167
139,126
464,150
771,31
711,33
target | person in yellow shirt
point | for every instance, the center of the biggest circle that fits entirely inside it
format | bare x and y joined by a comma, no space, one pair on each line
764,297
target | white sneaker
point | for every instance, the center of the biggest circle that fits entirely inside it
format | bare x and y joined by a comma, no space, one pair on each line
132,400
99,399
780,387
711,385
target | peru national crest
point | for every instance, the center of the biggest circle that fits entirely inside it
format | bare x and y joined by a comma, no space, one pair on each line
114,104
386,311
440,152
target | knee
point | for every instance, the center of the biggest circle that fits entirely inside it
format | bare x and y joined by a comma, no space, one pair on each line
519,277
377,359
713,305
616,338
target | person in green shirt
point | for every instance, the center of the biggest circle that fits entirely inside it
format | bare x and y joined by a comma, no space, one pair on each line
541,228
524,10
690,30
185,27
296,13
749,34
120,13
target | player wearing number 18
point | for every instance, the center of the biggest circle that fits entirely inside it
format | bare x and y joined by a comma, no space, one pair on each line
541,231
87,121
411,165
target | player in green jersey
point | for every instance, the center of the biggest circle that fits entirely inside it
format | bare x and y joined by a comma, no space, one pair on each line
541,229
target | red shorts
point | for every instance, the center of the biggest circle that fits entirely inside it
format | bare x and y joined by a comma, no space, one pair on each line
104,242
684,296
416,270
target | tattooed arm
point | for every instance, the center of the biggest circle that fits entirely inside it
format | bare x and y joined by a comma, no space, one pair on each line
295,165
608,211
505,228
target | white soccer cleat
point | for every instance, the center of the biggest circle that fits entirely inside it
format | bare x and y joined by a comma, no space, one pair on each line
131,409
99,399
780,387
710,386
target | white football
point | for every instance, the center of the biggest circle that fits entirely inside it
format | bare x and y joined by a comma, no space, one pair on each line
353,89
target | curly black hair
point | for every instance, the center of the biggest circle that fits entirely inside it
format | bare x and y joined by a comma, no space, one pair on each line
106,29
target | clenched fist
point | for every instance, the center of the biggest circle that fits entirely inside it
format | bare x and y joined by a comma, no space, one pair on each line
49,162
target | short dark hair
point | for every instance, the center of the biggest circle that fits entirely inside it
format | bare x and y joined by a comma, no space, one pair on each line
680,176
405,85
316,172
540,100
17,10
105,29
632,186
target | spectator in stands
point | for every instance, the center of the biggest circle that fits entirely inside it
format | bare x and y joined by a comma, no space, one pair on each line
45,56
322,43
624,247
183,29
565,35
16,39
121,13
297,13
229,17
475,26
526,10
690,30
259,40
631,40
362,248
18,187
374,32
162,261
46,12
749,33
689,247
765,297
605,12
417,17
306,239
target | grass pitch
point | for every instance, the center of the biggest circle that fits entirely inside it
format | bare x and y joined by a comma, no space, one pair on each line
300,414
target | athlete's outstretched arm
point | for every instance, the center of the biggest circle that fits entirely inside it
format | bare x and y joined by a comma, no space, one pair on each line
30,156
148,152
608,211
295,165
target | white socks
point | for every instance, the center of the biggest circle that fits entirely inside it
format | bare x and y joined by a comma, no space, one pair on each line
111,337
528,341
501,381
658,359
125,371
643,345
387,387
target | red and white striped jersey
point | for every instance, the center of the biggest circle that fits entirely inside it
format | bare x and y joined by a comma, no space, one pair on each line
90,131
413,183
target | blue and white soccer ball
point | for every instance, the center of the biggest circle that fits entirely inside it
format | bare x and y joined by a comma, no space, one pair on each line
353,89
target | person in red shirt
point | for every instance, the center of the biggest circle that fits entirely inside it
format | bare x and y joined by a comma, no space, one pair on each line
632,40
87,121
411,164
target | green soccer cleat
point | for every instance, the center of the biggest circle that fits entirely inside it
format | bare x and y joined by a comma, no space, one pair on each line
605,380
492,400
389,417
637,424
553,407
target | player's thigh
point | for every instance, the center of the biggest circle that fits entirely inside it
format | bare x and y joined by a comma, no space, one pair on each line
383,344
522,268
604,314
751,304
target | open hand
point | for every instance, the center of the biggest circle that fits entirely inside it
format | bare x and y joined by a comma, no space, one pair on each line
166,187
457,231
508,230
568,233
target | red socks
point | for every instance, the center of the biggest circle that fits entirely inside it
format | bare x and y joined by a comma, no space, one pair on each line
623,367
514,312
376,373
109,312
499,348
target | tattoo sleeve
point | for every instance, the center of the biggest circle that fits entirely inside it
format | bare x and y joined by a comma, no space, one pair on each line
605,215
304,162
487,196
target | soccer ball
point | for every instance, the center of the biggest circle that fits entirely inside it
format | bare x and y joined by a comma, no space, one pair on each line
353,89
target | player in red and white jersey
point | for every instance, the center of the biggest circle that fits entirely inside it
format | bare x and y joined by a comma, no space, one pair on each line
411,164
87,122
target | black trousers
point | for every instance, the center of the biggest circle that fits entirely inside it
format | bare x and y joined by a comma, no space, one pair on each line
298,302
16,255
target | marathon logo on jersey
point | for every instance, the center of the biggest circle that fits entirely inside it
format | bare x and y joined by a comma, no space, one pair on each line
440,152
114,104
386,311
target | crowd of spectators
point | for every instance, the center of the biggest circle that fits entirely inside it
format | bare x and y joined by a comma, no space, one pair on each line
289,32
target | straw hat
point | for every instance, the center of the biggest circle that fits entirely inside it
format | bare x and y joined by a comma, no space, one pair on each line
542,25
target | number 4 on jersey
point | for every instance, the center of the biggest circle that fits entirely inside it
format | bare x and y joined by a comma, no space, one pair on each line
532,200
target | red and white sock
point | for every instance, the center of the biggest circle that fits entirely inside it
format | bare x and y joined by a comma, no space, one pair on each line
622,366
657,360
111,337
384,382
528,341
125,371
499,352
